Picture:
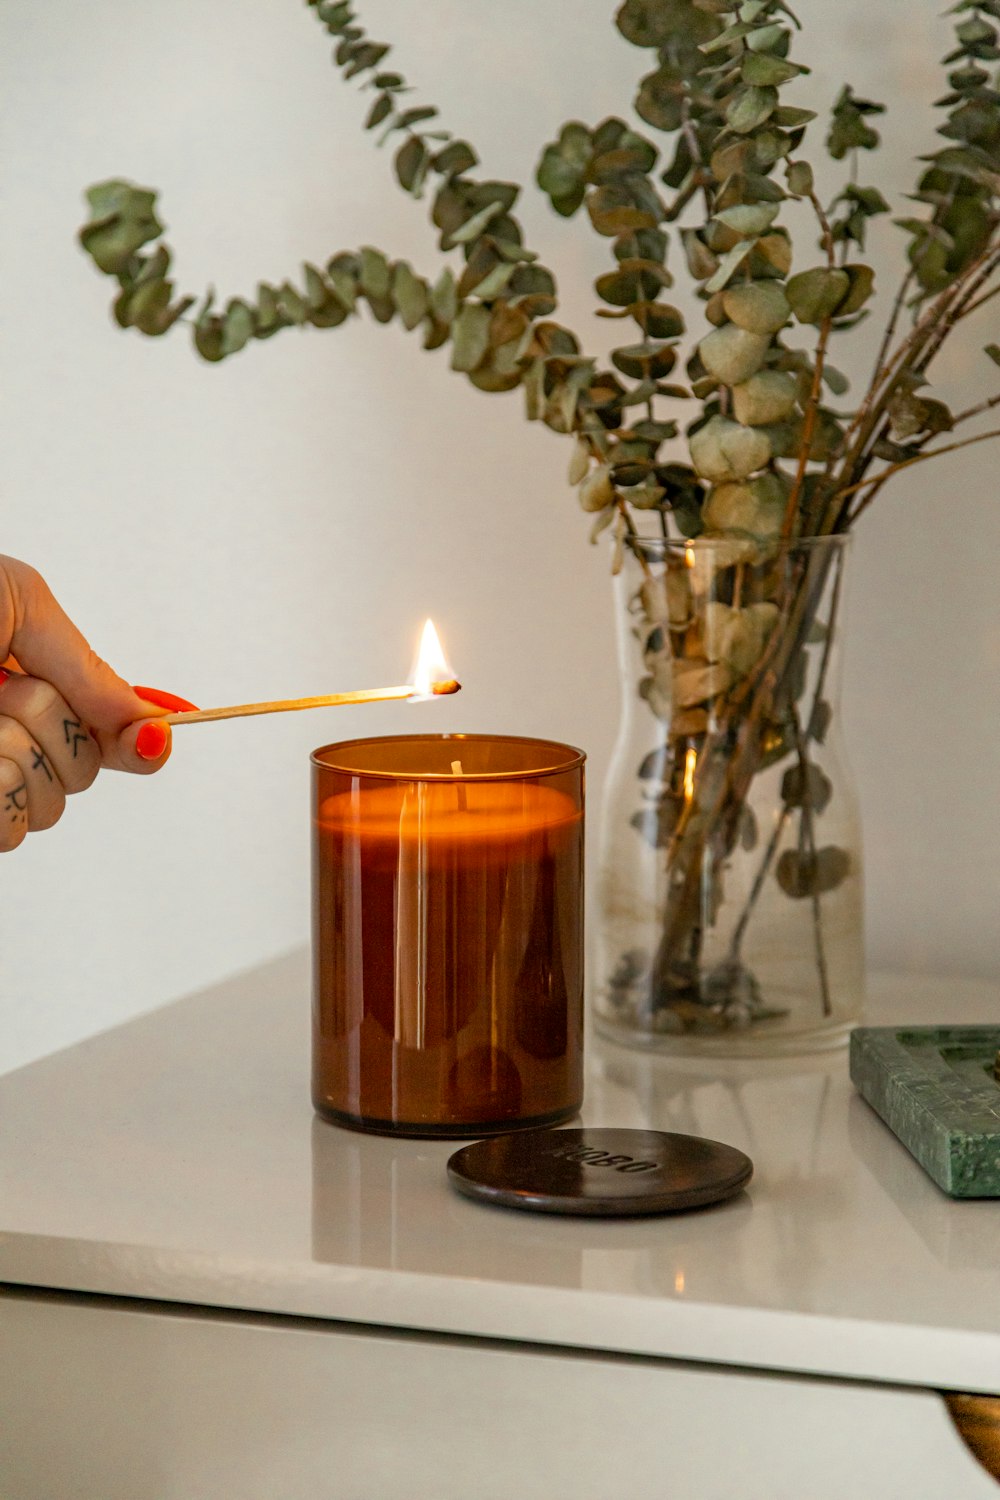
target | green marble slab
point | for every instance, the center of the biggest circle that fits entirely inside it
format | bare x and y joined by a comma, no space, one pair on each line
934,1087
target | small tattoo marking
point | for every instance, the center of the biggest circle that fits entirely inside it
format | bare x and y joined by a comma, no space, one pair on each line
39,763
16,801
73,730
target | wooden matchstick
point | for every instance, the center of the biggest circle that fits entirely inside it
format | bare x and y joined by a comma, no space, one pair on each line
293,705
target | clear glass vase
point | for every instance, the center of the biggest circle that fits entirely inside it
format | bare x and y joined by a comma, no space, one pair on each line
729,915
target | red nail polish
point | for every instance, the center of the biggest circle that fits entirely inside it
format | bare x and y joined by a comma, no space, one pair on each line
4,674
151,741
169,701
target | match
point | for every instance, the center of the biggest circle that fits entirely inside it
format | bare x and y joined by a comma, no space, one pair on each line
296,705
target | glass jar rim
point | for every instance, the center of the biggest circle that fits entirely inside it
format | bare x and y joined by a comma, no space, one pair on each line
769,547
562,757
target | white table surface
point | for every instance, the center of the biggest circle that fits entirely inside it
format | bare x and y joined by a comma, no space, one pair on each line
177,1158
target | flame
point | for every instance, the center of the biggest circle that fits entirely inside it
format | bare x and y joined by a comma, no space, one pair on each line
432,664
690,763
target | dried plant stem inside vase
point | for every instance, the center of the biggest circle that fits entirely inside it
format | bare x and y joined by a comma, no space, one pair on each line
736,798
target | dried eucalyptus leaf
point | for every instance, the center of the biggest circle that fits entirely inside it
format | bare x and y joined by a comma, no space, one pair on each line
473,227
768,396
454,159
494,282
411,163
695,682
470,337
835,379
335,13
238,326
755,508
269,318
579,462
749,218
800,179
414,116
701,263
657,823
732,354
790,117
292,305
646,496
804,874
367,56
436,333
375,275
208,333
444,297
658,320
722,449
819,722
862,283
715,620
489,378
154,267
342,274
534,282
728,265
613,211
805,785
410,294
758,306
775,250
602,523
762,69
750,107
647,361
656,765
596,491
815,295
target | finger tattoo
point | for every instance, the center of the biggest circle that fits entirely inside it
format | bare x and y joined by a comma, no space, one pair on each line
16,803
75,735
39,762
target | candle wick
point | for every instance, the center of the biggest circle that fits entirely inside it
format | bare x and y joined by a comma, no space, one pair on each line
463,803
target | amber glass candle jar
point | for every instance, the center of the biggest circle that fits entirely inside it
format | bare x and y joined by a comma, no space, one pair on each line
447,933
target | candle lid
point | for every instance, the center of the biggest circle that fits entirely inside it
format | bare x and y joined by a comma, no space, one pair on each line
599,1172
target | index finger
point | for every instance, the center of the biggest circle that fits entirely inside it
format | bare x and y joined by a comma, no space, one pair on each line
48,645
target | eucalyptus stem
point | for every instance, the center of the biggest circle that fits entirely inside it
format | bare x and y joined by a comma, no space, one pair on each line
908,463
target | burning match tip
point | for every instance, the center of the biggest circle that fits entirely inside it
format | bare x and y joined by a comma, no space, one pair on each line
439,689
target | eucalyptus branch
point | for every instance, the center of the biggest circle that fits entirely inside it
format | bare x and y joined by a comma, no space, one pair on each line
812,404
977,410
915,351
986,297
907,463
890,328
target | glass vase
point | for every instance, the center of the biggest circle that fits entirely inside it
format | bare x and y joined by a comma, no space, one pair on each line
729,912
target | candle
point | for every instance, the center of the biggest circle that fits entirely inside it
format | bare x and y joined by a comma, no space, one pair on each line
447,904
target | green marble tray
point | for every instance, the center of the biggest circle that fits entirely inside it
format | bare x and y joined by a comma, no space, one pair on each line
934,1087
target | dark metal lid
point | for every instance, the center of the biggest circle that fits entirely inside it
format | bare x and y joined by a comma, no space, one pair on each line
604,1173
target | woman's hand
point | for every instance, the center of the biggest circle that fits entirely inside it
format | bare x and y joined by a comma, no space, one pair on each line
63,712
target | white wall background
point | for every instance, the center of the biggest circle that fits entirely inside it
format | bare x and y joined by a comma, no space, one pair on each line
280,524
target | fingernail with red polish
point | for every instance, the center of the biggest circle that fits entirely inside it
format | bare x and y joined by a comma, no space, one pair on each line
169,701
151,741
4,674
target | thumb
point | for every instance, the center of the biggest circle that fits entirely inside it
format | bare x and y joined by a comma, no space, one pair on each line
37,631
140,747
